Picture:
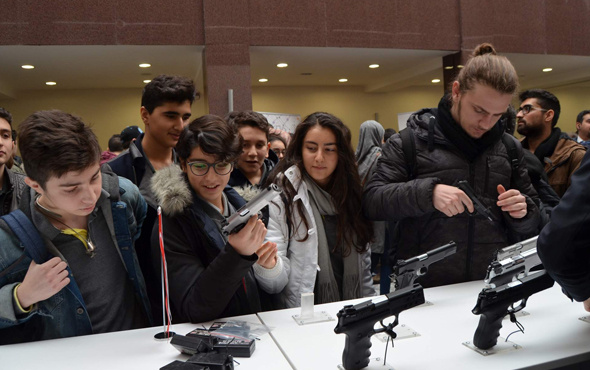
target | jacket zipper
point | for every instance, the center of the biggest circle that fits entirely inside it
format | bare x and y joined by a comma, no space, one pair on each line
470,230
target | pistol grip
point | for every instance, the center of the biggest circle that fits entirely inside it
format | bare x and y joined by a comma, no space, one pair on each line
488,330
357,349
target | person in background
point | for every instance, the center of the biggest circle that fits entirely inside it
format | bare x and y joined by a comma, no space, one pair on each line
389,132
91,281
165,109
129,134
583,128
367,153
256,161
321,236
537,120
210,274
115,147
12,184
278,145
462,139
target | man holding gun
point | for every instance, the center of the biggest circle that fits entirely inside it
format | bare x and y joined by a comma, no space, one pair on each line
461,140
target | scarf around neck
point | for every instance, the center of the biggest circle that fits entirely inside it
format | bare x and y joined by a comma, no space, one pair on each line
546,148
327,288
453,131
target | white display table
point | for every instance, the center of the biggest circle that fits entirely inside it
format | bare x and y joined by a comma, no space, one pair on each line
132,349
553,334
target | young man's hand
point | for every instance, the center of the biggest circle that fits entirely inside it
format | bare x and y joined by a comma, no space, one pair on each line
587,305
42,281
267,255
512,201
249,239
450,200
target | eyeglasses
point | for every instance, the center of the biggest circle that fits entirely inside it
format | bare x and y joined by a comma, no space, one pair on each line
527,108
201,168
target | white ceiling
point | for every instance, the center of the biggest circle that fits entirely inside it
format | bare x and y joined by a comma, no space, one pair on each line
97,67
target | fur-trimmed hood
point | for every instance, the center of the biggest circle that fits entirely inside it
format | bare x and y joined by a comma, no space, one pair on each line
171,190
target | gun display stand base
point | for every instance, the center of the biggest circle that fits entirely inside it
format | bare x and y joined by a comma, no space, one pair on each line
517,314
502,347
375,362
312,319
586,319
402,331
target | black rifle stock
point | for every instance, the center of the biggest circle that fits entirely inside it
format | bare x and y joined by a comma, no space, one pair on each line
239,219
494,303
407,271
358,322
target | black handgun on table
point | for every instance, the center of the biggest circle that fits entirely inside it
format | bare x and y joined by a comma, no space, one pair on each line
405,272
509,280
239,219
477,204
358,322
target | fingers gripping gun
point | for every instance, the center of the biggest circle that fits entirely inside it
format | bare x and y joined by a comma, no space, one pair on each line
405,272
509,280
480,208
239,219
358,322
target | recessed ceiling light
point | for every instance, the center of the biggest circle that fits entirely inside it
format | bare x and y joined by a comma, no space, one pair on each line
147,81
282,65
547,69
460,66
343,80
263,80
435,81
145,65
374,66
51,83
449,67
27,66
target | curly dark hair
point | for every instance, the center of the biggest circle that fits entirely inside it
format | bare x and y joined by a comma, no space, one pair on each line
344,185
213,135
165,88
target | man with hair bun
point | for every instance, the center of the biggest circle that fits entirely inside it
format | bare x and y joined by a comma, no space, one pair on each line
462,139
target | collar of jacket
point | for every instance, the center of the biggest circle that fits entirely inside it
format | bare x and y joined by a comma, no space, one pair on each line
174,194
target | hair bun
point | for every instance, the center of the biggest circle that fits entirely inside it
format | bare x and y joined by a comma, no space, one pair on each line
483,49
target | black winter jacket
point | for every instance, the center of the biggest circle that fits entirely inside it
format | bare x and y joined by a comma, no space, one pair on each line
564,244
391,195
208,279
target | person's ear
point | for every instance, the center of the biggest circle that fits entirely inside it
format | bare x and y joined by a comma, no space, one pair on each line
267,149
455,91
145,115
549,115
34,185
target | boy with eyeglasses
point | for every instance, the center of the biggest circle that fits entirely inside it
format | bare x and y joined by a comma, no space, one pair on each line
536,120
210,274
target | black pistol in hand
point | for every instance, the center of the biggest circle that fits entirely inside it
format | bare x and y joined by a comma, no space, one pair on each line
239,219
477,204
358,322
509,280
405,272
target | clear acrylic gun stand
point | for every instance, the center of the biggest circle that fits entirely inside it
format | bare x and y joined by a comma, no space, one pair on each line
502,346
308,316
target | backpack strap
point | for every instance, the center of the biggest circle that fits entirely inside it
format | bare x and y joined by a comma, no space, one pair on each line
28,235
409,149
512,157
